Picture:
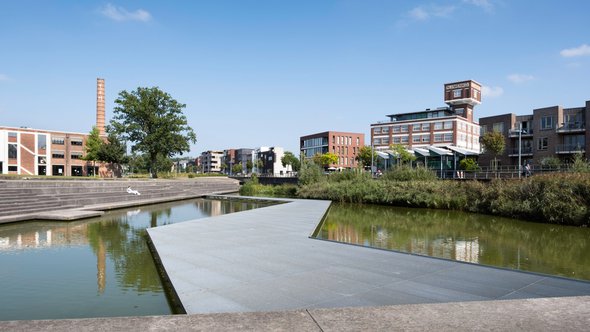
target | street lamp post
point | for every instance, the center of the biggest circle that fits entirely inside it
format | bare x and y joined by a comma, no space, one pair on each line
519,149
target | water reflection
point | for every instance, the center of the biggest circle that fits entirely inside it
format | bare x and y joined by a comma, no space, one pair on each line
91,268
552,249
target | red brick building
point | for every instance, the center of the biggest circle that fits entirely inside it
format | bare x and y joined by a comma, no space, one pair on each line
343,144
29,151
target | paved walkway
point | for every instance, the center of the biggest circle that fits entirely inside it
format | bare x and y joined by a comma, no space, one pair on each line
547,314
264,260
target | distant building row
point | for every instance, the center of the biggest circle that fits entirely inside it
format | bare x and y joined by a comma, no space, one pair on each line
263,160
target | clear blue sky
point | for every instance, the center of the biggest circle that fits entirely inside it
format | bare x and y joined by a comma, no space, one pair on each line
264,73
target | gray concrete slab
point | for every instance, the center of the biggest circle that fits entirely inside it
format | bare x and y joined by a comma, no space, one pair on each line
546,314
264,260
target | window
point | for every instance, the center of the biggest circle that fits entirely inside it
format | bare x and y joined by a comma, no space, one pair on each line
543,143
498,127
396,129
333,139
376,141
448,125
11,134
377,130
41,142
546,122
475,94
426,139
12,151
438,138
76,156
385,141
42,160
448,137
396,140
13,168
385,130
416,139
404,128
426,127
483,130
358,141
438,125
77,142
457,93
404,139
460,111
57,140
416,127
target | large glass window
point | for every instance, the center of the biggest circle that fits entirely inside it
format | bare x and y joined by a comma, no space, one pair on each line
438,125
12,151
448,137
448,125
416,127
499,127
438,138
426,127
546,122
404,128
41,142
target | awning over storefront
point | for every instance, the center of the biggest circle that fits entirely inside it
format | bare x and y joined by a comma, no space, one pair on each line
440,151
422,152
462,151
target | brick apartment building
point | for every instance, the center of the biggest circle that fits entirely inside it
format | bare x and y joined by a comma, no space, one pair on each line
343,144
29,151
548,132
439,137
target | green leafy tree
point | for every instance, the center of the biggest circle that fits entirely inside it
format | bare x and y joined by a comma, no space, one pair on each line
310,173
237,168
402,154
325,159
249,166
94,144
366,155
580,164
494,142
468,164
113,150
154,123
290,159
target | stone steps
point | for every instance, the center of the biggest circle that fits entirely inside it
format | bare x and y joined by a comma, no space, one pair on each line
21,197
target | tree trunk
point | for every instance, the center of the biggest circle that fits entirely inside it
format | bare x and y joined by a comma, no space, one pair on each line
153,162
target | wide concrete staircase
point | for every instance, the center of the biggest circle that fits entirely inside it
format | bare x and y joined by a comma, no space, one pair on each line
27,197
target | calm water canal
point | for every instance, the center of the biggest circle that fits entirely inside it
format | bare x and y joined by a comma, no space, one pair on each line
92,268
474,238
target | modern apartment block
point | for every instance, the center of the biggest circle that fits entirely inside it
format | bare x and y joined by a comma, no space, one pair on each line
343,144
548,132
241,156
268,161
437,135
210,161
29,151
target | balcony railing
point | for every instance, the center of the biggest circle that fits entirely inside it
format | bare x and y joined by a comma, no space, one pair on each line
569,148
525,132
524,151
569,127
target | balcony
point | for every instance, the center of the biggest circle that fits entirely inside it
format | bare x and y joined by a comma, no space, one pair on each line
525,151
571,127
513,133
569,148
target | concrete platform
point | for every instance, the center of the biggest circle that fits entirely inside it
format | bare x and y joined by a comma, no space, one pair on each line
263,260
548,314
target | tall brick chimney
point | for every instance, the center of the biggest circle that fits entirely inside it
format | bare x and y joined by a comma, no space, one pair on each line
100,106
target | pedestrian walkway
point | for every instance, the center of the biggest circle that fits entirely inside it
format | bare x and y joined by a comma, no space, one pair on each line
264,260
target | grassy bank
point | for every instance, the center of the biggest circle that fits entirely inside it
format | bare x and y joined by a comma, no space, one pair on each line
559,198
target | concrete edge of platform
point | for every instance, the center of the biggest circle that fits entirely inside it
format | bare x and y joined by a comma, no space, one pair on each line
543,314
